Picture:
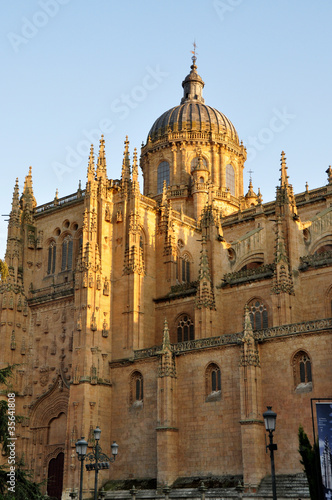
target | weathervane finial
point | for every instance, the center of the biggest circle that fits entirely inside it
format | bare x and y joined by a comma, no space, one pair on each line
194,58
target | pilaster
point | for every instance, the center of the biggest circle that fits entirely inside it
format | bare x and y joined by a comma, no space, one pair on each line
167,431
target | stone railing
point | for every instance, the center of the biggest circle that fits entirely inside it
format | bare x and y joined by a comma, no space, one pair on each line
148,201
316,326
316,260
60,202
294,329
183,287
51,292
258,273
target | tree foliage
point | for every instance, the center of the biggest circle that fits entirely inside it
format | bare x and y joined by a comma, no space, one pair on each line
311,463
3,270
25,487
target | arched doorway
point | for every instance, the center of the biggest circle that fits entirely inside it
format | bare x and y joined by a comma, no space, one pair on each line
55,476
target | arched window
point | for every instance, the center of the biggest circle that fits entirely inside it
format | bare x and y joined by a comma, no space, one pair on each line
185,269
302,372
185,329
163,175
213,382
230,179
51,258
67,254
136,389
258,314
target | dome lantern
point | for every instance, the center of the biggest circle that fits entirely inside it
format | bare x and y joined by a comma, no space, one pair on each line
192,85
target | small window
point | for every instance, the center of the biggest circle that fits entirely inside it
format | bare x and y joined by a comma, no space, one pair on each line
230,179
258,315
67,254
163,175
213,382
185,271
185,329
51,258
183,268
136,389
302,372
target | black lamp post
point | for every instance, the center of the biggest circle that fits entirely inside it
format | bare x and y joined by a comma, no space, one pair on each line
97,458
81,448
270,418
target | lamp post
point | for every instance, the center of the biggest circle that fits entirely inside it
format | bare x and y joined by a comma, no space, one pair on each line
98,459
270,418
81,448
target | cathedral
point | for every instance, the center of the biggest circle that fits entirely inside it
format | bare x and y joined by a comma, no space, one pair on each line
170,316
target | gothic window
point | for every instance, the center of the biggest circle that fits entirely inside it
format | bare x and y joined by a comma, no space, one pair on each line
258,314
136,389
67,254
185,329
230,179
302,372
213,382
51,258
183,268
163,175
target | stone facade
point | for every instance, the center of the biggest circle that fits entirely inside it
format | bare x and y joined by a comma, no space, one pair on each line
170,319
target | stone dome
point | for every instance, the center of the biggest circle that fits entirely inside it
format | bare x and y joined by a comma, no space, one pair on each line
192,115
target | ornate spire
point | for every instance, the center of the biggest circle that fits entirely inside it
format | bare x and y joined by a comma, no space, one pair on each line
166,341
91,165
28,201
285,199
101,163
282,278
167,366
135,183
14,217
250,355
125,174
135,167
283,170
251,193
164,195
193,83
205,295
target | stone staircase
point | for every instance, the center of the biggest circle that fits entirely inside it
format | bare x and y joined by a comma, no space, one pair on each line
288,486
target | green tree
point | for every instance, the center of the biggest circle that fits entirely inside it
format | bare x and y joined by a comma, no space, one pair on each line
311,463
3,270
25,487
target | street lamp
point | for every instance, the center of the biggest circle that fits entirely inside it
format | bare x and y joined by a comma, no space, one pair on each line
81,448
270,418
98,459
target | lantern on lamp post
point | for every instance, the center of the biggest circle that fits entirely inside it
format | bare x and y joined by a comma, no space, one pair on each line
270,418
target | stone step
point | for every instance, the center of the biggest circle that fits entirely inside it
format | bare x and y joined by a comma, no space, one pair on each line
288,486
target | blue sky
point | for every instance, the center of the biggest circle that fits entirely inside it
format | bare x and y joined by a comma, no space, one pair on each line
72,69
